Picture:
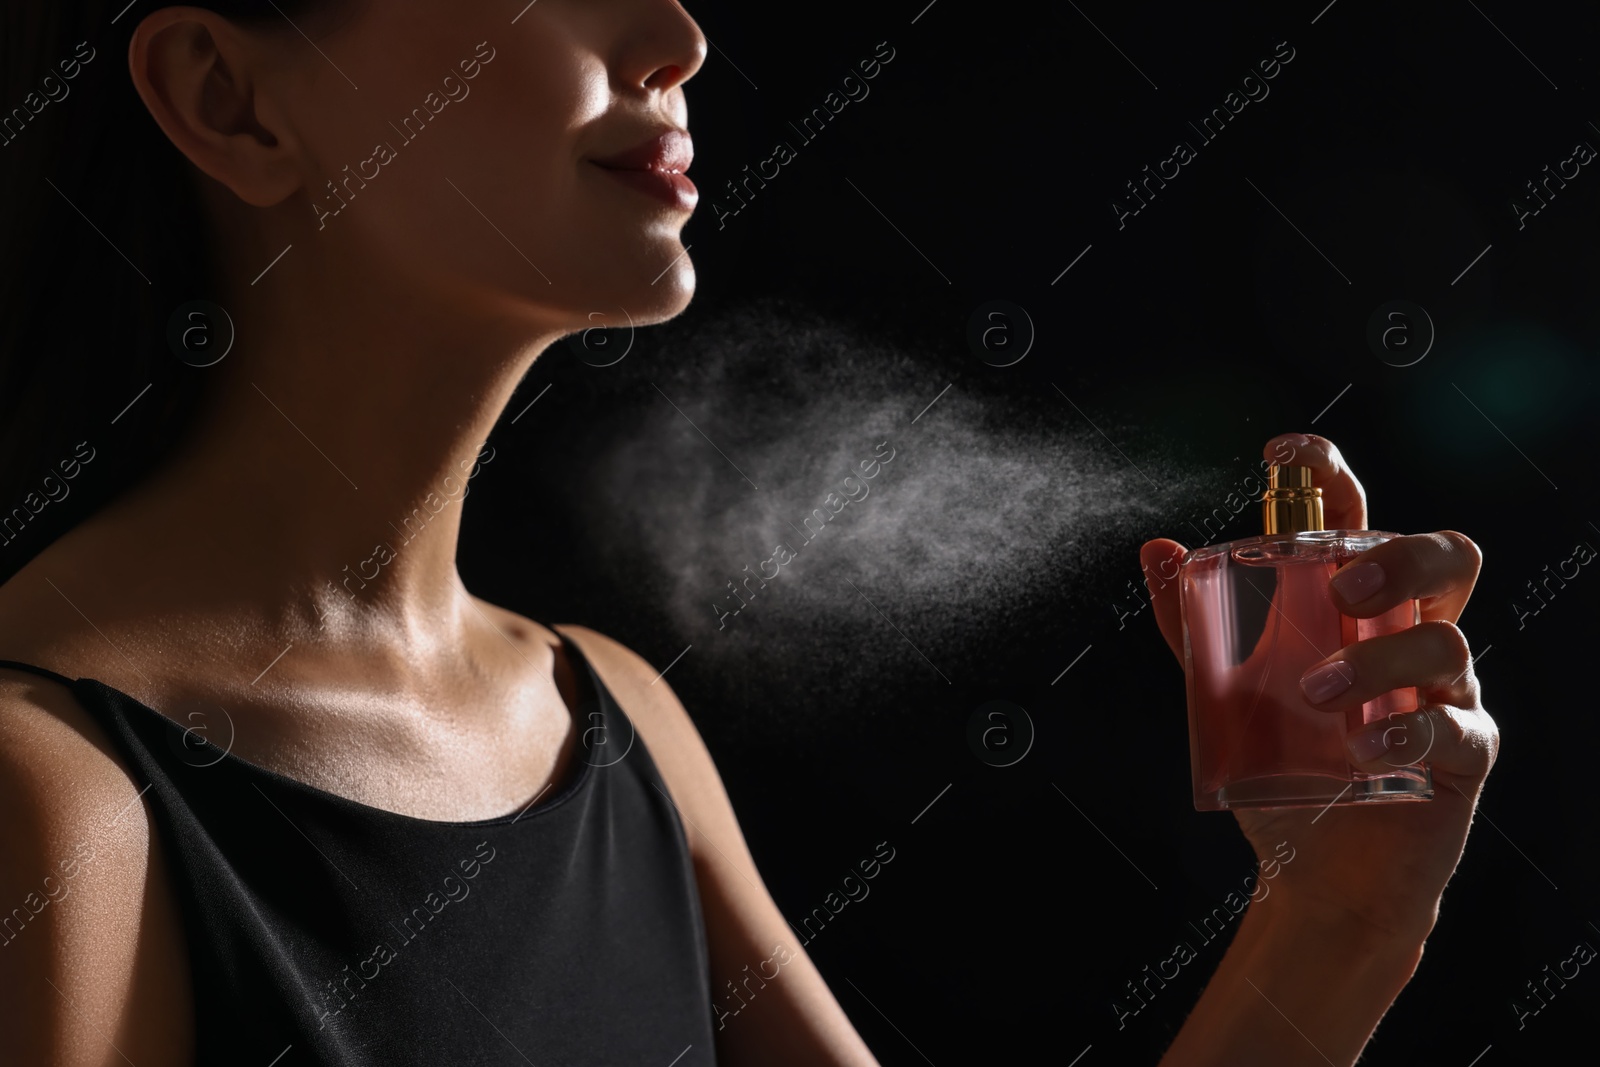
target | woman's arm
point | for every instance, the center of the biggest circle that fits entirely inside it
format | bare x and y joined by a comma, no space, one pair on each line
1294,989
789,1015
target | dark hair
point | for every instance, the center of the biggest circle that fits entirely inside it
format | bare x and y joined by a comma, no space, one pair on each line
103,240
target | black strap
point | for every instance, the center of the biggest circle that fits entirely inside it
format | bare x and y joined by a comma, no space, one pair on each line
43,671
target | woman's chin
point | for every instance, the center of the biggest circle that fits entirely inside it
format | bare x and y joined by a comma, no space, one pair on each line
665,299
621,313
655,286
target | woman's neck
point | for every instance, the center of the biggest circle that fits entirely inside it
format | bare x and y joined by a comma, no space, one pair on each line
323,485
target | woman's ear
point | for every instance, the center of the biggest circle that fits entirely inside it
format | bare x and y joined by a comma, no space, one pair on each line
200,77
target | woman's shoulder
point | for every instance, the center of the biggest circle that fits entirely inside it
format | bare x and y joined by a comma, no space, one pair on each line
61,779
83,900
62,783
668,731
60,775
41,723
636,684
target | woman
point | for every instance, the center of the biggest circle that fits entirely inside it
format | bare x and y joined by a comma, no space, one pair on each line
280,789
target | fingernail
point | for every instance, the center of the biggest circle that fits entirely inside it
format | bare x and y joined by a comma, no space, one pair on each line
1327,681
1370,744
1296,440
1357,583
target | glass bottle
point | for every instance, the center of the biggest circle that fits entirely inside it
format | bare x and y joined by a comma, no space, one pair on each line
1257,614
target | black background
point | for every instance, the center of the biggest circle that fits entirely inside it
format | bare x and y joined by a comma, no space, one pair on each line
834,309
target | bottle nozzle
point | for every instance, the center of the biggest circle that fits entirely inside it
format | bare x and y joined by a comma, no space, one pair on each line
1291,503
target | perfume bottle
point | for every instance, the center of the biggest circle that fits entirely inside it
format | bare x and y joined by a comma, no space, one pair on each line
1257,614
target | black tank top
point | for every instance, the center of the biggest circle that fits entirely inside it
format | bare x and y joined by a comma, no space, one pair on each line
324,931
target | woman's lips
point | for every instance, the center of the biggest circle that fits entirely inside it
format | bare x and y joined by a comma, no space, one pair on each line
655,167
670,187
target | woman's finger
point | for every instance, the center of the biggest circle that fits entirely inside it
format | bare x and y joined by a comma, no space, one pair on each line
1344,502
1432,656
1159,559
1439,569
1453,741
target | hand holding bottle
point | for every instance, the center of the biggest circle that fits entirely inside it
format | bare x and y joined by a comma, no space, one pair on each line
1363,891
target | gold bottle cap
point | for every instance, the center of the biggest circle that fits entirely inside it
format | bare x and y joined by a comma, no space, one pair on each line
1291,503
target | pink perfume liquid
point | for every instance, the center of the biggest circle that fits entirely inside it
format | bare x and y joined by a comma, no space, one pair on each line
1257,614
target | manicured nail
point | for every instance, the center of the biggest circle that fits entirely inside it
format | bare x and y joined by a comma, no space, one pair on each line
1327,681
1370,744
1359,582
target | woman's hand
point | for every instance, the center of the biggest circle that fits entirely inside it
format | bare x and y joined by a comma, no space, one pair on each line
1383,866
1319,957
